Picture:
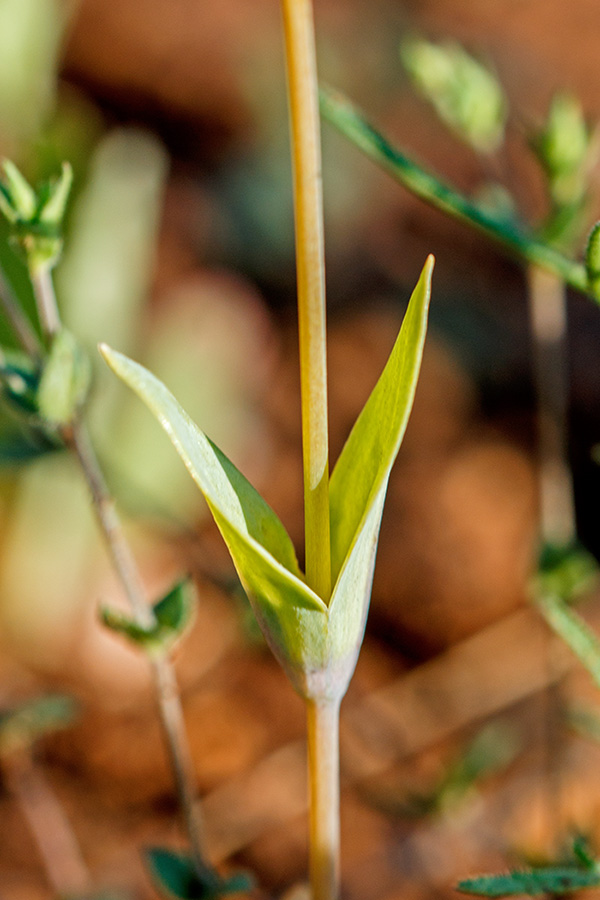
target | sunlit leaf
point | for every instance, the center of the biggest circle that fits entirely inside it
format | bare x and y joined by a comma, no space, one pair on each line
260,547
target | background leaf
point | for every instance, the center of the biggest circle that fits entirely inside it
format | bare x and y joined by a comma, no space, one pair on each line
551,880
176,874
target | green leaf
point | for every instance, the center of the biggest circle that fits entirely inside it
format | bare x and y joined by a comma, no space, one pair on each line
172,616
550,880
582,851
260,547
520,242
359,483
362,470
574,631
565,571
53,197
592,258
65,381
19,192
176,875
19,377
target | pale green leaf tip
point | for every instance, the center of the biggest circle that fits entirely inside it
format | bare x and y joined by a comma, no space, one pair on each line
428,267
109,355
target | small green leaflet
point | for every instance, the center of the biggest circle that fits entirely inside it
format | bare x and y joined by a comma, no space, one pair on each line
65,381
574,631
565,571
311,636
550,880
172,616
176,876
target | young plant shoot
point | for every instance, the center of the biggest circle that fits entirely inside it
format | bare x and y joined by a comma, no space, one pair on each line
314,622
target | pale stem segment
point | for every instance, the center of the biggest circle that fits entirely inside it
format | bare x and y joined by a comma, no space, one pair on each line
548,314
308,204
57,845
45,298
77,440
324,777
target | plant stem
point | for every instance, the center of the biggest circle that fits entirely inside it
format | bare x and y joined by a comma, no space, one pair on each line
43,288
170,710
548,315
323,764
351,123
169,703
308,204
65,868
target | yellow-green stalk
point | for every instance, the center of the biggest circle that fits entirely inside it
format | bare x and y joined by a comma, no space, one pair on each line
323,714
308,204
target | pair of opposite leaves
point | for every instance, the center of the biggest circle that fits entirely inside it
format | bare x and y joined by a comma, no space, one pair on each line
316,639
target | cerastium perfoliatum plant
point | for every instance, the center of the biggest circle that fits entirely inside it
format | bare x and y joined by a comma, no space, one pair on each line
314,622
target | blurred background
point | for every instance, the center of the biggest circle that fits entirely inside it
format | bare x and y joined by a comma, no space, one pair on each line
179,251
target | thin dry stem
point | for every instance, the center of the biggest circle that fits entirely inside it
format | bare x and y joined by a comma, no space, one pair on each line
170,710
167,694
548,314
65,868
308,203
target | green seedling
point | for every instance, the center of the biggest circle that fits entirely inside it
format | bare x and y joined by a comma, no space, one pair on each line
173,615
177,876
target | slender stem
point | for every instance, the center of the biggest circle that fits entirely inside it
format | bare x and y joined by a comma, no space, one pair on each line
323,759
45,297
167,694
351,123
65,868
77,440
548,315
306,154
